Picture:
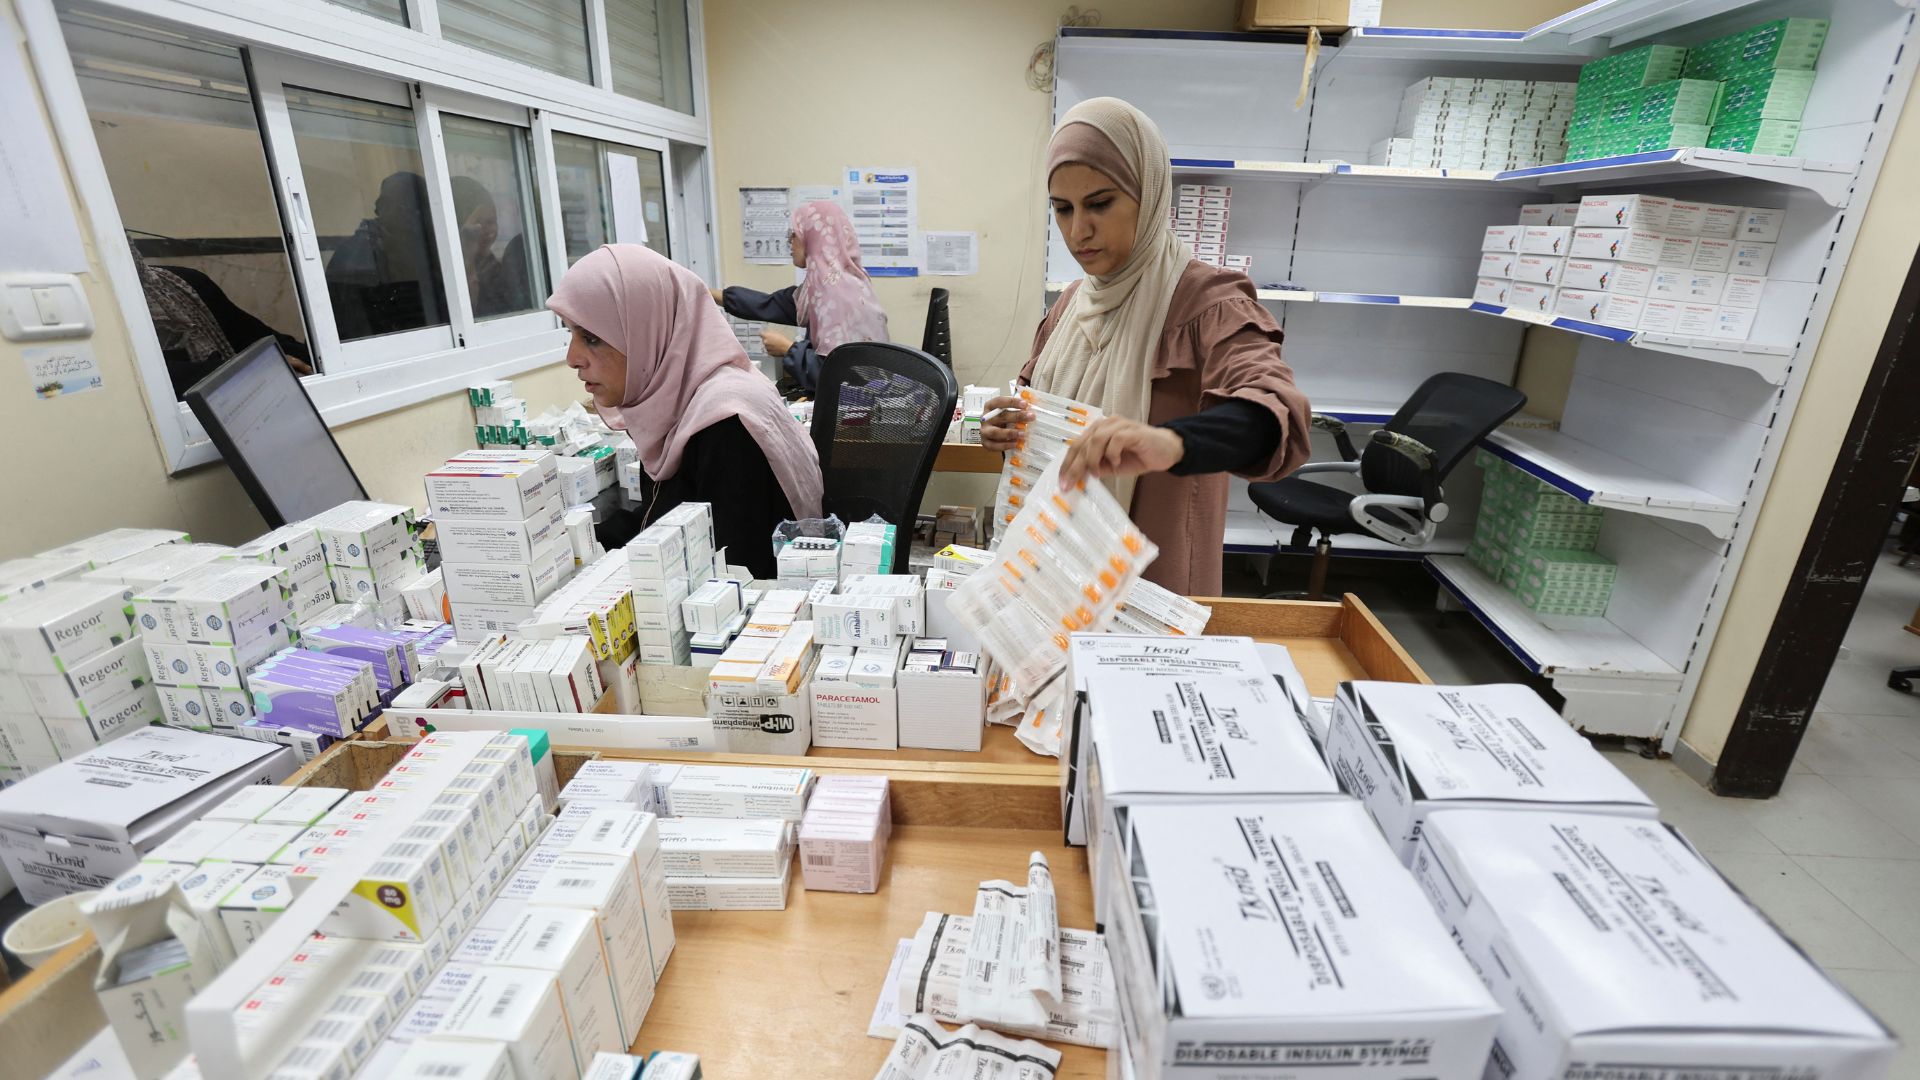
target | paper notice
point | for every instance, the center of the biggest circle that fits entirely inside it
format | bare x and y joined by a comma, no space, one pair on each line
66,368
765,214
952,253
629,205
885,207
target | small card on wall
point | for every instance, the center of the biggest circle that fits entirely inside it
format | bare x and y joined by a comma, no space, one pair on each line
67,367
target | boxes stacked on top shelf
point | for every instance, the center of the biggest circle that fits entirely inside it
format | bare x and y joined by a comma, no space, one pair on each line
1635,262
1465,123
1199,216
73,674
1538,542
1606,107
503,547
499,416
1549,904
371,554
666,563
1766,74
296,548
843,836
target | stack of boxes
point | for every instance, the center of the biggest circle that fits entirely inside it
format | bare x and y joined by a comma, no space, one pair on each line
598,605
1199,216
843,835
1464,123
73,675
1538,543
867,548
503,546
729,839
203,634
371,554
1635,262
499,415
1745,91
296,548
883,682
665,562
755,689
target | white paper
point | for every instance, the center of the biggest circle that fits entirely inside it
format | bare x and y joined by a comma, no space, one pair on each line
887,1017
65,368
765,213
885,207
953,253
629,206
807,193
41,234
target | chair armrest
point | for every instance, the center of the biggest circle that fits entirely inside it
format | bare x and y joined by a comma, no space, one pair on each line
1348,467
1337,429
1422,456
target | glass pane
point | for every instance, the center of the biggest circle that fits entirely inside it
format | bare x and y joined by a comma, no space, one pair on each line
175,125
389,10
652,59
586,194
368,196
548,34
497,215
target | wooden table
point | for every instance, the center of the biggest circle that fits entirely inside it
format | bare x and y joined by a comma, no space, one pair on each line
790,993
966,457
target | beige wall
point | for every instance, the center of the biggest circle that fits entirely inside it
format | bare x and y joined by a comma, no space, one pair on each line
1889,231
103,446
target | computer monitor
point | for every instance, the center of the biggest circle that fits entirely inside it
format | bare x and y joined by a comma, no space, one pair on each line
258,414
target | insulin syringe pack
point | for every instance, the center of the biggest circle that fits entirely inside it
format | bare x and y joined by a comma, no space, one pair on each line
1065,562
1057,422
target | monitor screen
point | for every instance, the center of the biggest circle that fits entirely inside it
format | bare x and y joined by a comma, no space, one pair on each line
258,414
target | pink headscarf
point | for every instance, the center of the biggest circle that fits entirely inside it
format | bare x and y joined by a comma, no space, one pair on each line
685,369
836,303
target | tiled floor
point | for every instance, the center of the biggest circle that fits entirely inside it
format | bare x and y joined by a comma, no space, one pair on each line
1835,858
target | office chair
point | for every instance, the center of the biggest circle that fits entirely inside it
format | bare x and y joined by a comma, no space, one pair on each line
937,340
1401,469
878,421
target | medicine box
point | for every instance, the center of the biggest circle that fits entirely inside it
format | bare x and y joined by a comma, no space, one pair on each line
1760,223
1546,240
606,887
1497,264
364,533
943,707
849,714
1409,751
1486,290
1538,899
520,1010
221,604
154,959
1241,912
112,546
1528,296
503,491
567,945
730,894
1623,245
740,792
497,540
1538,269
1624,212
725,847
50,628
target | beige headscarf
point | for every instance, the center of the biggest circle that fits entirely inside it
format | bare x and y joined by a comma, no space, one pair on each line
1103,349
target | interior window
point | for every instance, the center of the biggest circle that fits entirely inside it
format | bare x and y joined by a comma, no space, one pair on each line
390,10
368,192
600,202
176,129
651,54
497,215
548,34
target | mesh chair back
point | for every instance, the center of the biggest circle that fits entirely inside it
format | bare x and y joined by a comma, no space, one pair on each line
878,421
1450,412
937,340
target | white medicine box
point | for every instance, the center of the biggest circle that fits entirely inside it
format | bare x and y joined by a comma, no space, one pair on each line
942,710
1549,904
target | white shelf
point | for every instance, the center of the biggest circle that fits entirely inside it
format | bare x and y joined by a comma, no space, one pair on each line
1339,172
1303,296
1830,180
1295,172
1548,644
1599,478
1577,36
1623,21
1379,412
1767,361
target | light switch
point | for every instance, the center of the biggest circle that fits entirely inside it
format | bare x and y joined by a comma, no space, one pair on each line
37,307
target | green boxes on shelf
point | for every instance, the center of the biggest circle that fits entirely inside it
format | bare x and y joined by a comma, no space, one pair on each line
1679,101
1566,582
1788,44
1643,66
1663,136
1764,95
1777,138
1537,542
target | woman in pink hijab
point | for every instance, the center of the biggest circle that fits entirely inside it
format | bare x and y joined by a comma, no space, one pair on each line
836,303
663,366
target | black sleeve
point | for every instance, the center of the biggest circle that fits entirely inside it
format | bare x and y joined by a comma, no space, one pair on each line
734,475
774,307
1230,437
802,365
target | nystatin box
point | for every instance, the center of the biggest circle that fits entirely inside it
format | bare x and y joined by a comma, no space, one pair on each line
1284,940
1617,950
1406,749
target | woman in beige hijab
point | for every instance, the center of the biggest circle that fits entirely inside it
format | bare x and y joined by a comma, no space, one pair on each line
1179,355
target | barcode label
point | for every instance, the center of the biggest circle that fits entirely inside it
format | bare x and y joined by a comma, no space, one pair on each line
304,1056
442,1068
576,883
366,980
505,1004
819,860
406,851
329,1030
545,941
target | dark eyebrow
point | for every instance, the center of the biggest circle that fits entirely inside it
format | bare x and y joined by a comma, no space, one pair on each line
1083,198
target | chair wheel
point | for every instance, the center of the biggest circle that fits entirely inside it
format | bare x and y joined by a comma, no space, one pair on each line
1900,683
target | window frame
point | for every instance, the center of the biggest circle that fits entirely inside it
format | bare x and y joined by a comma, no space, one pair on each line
587,129
355,50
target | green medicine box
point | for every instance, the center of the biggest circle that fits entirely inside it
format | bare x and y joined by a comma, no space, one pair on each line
1681,101
1772,94
1570,568
1665,136
1792,44
1775,138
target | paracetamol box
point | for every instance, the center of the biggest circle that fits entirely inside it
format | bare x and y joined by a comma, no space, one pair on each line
1486,290
740,792
1742,291
225,603
503,491
1696,319
1408,751
1625,211
1546,239
1712,253
1548,904
44,631
1284,933
1529,296
1660,316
